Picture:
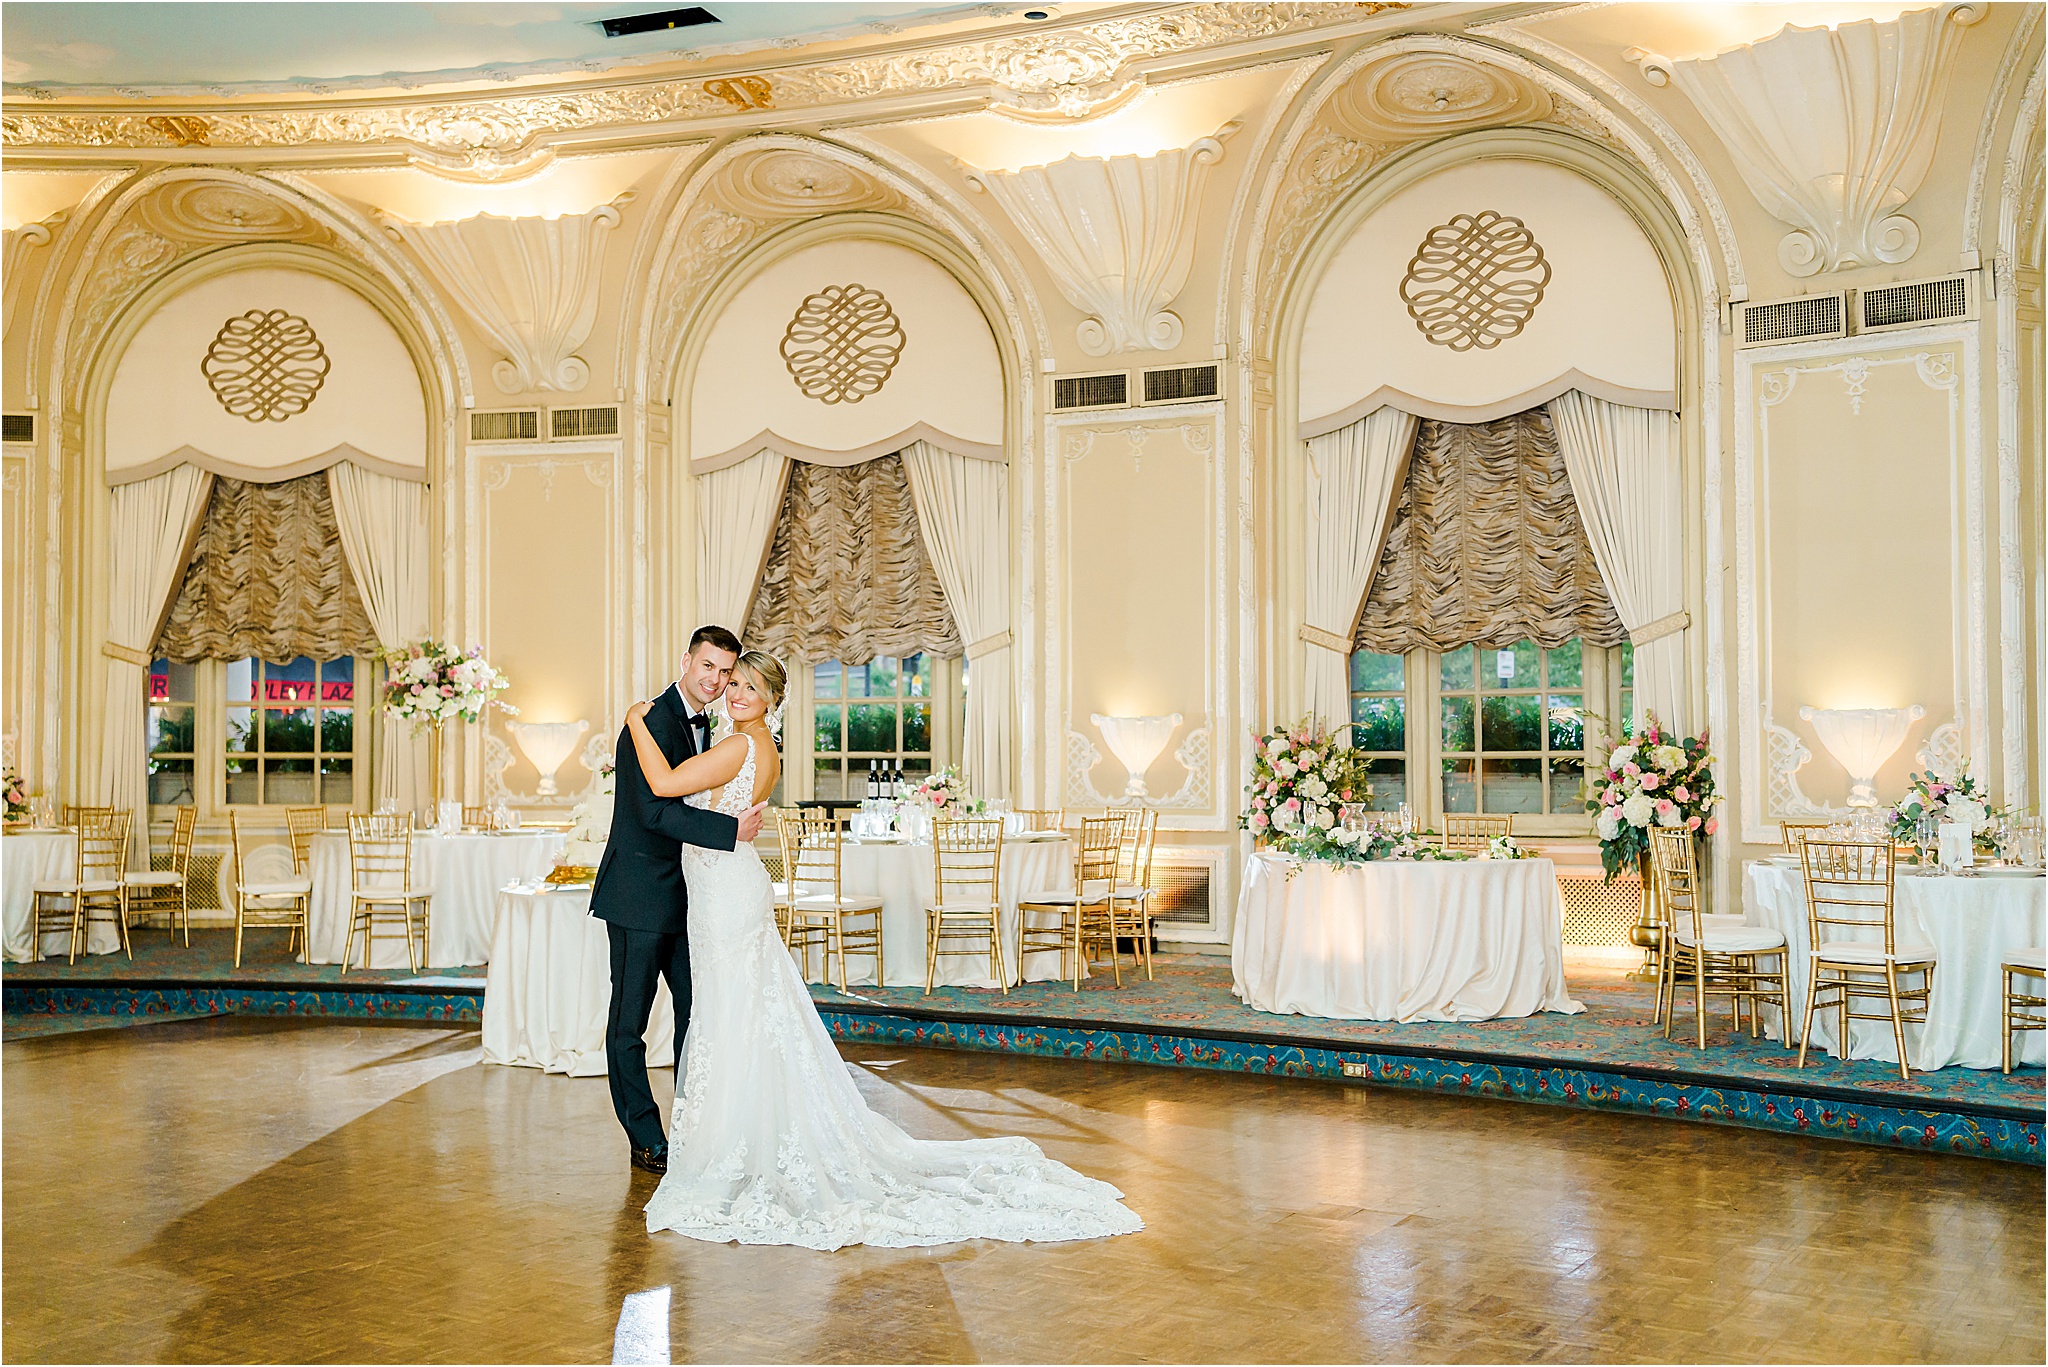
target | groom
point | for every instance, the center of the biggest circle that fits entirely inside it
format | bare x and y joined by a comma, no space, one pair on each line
639,892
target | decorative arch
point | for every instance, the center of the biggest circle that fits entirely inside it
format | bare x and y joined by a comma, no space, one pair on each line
1695,327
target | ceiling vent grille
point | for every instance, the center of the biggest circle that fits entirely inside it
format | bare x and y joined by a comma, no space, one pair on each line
1180,384
1109,390
507,424
567,423
18,427
1813,317
1915,303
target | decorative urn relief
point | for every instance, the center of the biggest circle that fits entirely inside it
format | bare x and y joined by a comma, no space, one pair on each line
529,284
1116,233
1833,130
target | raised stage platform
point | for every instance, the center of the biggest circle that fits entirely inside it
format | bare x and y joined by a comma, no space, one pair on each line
1608,1058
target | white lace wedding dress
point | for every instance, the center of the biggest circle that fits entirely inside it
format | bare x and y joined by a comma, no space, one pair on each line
771,1142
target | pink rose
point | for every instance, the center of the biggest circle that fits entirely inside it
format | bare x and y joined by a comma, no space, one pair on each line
1631,770
1666,807
1681,793
1611,797
1692,823
1650,780
1259,822
1713,824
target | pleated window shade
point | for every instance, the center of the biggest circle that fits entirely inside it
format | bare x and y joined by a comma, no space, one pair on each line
267,579
1486,547
848,577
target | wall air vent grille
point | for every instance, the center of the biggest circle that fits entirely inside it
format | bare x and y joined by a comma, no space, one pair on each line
1110,390
1810,318
1598,914
1915,303
18,427
509,424
565,423
1180,384
1181,894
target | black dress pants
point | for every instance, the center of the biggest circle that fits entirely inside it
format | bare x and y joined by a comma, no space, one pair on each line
640,959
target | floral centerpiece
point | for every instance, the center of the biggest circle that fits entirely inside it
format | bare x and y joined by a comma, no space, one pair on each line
945,793
1958,798
1301,785
429,684
17,795
1650,779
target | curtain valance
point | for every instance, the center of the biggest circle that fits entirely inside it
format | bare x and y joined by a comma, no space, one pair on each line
847,575
267,578
1486,547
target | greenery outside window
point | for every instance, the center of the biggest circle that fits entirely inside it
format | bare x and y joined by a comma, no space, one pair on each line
290,737
1379,724
861,715
173,752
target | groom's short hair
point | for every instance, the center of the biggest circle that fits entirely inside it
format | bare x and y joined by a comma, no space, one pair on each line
715,636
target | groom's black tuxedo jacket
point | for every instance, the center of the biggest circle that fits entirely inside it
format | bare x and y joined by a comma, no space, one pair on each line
640,880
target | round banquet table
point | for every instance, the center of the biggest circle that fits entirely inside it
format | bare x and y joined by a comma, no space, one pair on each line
900,873
1397,940
1971,922
26,859
464,871
549,988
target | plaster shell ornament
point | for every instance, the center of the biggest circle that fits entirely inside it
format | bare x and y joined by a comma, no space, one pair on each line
215,211
784,182
266,365
843,344
1475,281
1424,94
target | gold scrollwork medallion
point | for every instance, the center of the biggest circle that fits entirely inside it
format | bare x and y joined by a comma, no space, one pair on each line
843,343
1475,281
266,366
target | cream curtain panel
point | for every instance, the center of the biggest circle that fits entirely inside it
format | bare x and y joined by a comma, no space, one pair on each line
1354,475
267,579
1486,547
963,509
847,576
152,528
1623,464
383,528
736,510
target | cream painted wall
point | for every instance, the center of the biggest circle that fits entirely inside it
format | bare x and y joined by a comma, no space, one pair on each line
160,402
949,375
1606,310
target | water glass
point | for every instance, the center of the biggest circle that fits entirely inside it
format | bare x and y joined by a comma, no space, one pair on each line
1407,819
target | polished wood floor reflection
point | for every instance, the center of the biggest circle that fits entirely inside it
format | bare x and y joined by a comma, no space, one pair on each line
245,1189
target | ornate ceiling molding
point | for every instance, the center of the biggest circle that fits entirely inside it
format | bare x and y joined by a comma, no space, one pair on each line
529,284
1116,234
1067,73
1415,95
789,182
1832,129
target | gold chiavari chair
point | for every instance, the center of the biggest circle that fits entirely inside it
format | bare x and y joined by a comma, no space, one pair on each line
821,913
476,818
1791,833
1849,887
1134,879
166,890
96,884
965,914
1721,960
75,815
381,887
1095,872
1043,818
2022,1010
779,864
301,824
282,903
1473,834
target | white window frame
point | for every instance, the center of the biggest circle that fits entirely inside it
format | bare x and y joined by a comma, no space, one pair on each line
799,753
210,735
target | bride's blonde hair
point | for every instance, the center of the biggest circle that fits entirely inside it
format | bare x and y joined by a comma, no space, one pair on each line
768,673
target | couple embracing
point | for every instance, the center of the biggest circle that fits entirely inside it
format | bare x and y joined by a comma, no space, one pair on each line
770,1141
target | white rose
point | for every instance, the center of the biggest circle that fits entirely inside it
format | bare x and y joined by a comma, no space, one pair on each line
1314,787
1625,754
1969,812
1345,837
1276,747
1322,818
1610,822
1638,810
1286,768
421,669
1669,758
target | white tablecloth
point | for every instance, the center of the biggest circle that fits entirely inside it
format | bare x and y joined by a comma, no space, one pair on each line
26,859
1400,941
901,875
549,989
1971,922
465,873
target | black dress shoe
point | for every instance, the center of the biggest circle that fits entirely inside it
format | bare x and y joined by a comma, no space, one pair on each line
651,1160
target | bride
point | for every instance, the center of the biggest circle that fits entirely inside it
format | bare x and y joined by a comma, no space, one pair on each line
771,1141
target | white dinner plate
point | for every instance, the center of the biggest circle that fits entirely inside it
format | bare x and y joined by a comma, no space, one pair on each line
874,840
1037,835
2009,873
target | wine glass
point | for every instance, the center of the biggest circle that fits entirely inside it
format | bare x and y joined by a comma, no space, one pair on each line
1926,835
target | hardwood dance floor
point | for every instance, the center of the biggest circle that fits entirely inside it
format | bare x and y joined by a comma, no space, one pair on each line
264,1189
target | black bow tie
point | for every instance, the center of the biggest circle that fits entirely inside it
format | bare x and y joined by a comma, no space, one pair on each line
703,721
